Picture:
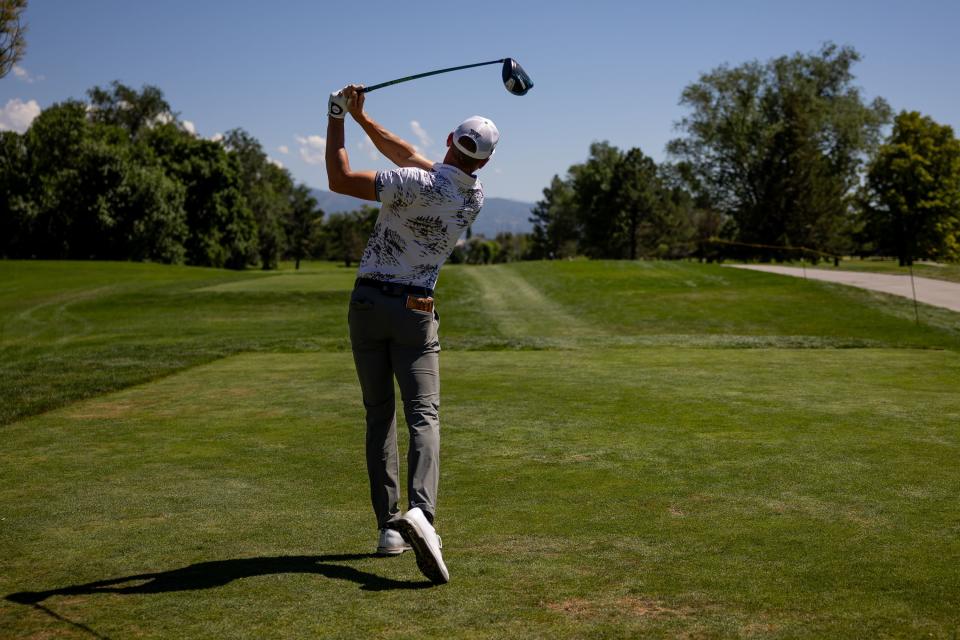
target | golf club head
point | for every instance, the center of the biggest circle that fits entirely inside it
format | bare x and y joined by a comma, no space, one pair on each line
515,79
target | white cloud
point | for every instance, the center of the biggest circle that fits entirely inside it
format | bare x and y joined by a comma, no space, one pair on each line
17,115
366,145
189,127
275,163
422,136
217,137
163,118
26,76
284,149
312,148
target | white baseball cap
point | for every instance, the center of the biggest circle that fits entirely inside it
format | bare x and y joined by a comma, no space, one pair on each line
483,133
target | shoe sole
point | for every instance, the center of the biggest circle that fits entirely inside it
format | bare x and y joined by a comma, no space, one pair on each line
425,559
391,551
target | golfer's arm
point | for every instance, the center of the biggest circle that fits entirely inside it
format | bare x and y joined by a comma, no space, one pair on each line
396,149
359,184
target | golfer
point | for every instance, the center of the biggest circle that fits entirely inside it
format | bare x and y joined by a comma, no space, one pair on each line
425,208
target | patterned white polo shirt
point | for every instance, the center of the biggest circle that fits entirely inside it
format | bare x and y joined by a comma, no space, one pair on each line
423,215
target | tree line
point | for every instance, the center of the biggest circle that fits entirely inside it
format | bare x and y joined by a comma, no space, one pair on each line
120,178
785,153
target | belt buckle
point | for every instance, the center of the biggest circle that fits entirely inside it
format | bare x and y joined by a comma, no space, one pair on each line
391,289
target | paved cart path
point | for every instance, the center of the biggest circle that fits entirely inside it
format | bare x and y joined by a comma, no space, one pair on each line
939,293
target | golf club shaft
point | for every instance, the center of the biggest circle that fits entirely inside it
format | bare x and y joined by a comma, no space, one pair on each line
424,75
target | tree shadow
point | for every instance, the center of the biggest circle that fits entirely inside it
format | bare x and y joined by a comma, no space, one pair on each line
216,573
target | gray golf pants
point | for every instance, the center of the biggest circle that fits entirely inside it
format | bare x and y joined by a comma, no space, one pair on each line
390,341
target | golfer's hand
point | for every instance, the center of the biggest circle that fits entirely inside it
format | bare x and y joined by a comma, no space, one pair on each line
355,100
337,105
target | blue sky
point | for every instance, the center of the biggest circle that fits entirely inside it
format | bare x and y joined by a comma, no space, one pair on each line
603,70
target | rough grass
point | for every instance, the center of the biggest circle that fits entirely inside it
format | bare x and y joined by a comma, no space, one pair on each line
715,468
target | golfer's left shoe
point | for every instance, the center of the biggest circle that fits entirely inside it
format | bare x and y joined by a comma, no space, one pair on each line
391,543
417,530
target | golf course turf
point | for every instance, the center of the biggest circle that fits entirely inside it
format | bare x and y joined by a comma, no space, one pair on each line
630,449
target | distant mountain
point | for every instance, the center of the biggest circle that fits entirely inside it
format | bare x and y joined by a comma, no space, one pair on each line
498,214
335,203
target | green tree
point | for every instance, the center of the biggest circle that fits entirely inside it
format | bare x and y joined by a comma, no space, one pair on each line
55,148
301,224
81,190
16,209
122,179
268,190
513,246
223,229
345,235
128,108
12,31
597,204
131,210
697,224
615,205
639,198
913,185
779,147
555,228
479,250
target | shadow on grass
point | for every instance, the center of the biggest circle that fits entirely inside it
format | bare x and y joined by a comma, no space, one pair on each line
216,573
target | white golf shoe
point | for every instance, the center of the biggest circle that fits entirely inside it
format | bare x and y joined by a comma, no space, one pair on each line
391,543
417,530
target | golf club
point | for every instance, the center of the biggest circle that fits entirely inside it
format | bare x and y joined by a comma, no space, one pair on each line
515,79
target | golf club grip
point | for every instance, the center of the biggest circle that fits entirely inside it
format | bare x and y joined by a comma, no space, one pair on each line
424,75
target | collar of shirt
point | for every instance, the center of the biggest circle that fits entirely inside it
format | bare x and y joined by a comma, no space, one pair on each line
456,173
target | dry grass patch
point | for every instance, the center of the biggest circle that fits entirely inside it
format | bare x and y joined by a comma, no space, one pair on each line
630,606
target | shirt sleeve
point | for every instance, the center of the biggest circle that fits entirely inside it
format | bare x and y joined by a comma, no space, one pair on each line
398,188
378,183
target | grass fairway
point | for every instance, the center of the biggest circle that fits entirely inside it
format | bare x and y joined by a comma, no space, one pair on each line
629,450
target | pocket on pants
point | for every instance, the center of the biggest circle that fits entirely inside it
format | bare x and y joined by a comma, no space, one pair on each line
360,303
360,311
